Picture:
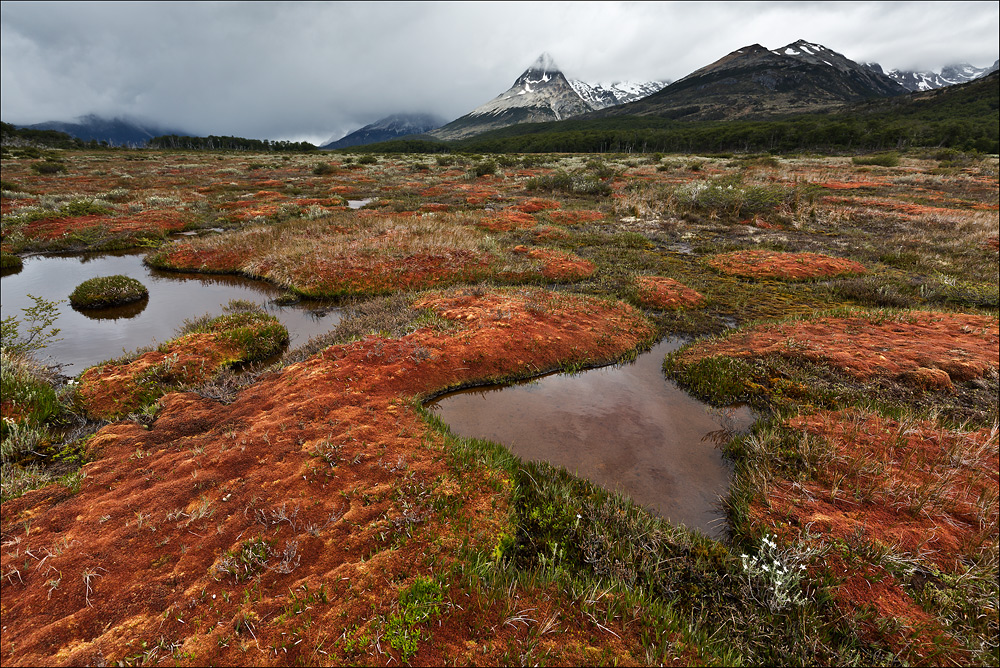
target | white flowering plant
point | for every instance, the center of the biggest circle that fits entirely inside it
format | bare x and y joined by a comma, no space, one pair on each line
775,576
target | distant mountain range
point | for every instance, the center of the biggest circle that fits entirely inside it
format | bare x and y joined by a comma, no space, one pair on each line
390,127
755,82
114,131
929,80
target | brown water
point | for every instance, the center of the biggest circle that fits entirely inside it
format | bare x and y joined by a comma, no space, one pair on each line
95,336
625,427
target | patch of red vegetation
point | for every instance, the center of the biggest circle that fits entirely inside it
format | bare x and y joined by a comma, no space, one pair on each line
326,469
994,243
574,217
548,232
911,347
157,221
507,220
325,276
110,391
536,204
665,293
435,207
773,264
850,185
917,488
184,256
556,265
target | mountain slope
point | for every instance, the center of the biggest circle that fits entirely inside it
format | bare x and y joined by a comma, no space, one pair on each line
115,131
390,127
602,96
542,93
755,82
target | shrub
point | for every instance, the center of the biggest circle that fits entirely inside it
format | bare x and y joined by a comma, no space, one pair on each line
48,167
324,168
880,159
484,168
368,159
729,198
105,291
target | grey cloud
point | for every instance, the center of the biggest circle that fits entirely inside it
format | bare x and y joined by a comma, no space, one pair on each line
318,70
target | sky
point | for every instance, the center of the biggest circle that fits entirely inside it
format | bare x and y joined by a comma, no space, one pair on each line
316,71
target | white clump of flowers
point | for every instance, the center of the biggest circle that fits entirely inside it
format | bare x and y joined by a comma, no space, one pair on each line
774,576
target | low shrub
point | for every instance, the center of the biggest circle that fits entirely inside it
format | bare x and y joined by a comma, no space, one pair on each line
879,159
105,291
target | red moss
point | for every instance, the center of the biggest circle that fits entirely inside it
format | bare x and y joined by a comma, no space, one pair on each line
772,264
963,346
666,293
535,204
915,488
507,220
330,445
558,266
575,217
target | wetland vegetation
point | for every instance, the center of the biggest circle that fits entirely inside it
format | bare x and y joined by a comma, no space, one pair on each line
225,497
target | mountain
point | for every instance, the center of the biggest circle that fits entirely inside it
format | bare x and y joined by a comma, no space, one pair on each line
390,127
115,131
755,82
542,93
950,75
602,96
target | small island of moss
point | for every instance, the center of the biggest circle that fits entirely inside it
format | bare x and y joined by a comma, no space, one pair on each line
107,291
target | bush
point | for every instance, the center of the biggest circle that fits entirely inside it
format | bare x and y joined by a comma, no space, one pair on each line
48,167
324,168
105,291
484,168
368,159
728,198
880,159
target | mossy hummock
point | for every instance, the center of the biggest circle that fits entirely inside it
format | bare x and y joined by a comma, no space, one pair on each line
106,291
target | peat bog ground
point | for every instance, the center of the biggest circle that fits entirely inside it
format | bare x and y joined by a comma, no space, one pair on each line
226,497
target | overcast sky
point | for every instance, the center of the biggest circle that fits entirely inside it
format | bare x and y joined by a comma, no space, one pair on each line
315,71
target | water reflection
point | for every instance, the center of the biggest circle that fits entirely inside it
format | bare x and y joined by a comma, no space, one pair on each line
626,428
173,298
123,312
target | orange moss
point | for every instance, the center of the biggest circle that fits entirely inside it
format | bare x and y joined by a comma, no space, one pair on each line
326,468
772,264
110,391
558,266
575,217
960,345
913,487
535,204
666,293
507,220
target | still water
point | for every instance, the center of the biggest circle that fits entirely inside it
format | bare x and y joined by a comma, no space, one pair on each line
95,336
625,427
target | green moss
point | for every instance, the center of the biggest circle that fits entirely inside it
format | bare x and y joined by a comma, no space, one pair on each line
105,291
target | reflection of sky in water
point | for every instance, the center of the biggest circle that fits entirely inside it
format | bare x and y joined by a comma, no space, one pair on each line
173,298
623,427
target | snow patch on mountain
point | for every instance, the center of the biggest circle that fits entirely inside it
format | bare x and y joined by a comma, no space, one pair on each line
603,95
